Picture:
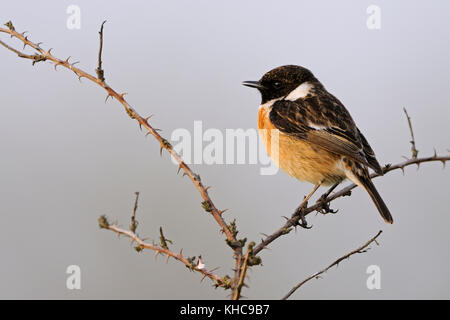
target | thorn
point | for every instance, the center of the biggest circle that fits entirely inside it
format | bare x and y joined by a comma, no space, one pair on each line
67,60
23,33
147,133
107,96
74,63
264,234
122,95
39,44
181,253
179,168
403,170
164,145
156,254
49,51
222,211
207,188
215,269
443,164
146,119
167,260
418,165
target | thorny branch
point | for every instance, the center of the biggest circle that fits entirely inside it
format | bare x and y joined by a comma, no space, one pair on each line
249,260
207,204
164,250
322,205
316,275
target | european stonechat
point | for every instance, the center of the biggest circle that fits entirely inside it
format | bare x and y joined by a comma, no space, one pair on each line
318,141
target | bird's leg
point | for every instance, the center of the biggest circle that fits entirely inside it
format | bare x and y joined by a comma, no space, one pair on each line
303,205
323,201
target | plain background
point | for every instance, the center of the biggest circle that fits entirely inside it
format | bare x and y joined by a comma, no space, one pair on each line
67,157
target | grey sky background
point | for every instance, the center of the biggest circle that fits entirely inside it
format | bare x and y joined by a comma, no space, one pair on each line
66,157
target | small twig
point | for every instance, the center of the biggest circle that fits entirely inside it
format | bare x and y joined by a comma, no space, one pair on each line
240,284
414,151
34,57
303,205
99,70
316,275
134,223
163,241
243,272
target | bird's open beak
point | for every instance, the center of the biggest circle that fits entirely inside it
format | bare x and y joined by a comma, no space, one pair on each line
253,84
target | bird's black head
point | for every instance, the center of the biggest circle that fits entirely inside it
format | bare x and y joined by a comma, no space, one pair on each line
279,82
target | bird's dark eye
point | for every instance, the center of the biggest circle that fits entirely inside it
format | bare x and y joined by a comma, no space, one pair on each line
276,84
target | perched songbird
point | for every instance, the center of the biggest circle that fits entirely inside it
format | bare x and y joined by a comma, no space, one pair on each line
318,141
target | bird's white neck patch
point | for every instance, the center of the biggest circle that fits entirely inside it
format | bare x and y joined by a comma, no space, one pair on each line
300,92
269,103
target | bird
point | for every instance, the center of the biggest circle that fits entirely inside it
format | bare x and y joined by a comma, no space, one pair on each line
316,138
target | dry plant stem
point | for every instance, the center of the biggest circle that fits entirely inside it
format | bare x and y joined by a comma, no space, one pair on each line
414,151
361,249
293,221
306,199
159,250
99,70
133,224
240,284
304,203
133,114
143,122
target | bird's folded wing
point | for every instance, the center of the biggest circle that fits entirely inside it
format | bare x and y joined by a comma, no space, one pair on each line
293,118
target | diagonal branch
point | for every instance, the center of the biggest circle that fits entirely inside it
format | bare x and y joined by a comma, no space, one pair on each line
188,262
132,113
207,203
316,275
322,204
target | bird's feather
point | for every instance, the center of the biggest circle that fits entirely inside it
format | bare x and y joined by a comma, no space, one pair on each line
323,121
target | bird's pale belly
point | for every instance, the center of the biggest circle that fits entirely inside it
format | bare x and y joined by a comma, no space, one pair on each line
299,158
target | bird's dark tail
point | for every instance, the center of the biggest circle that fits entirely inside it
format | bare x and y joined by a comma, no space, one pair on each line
377,200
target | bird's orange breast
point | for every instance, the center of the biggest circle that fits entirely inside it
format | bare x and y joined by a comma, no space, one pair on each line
297,157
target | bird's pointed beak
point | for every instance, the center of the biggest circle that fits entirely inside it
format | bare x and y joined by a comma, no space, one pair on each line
253,84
